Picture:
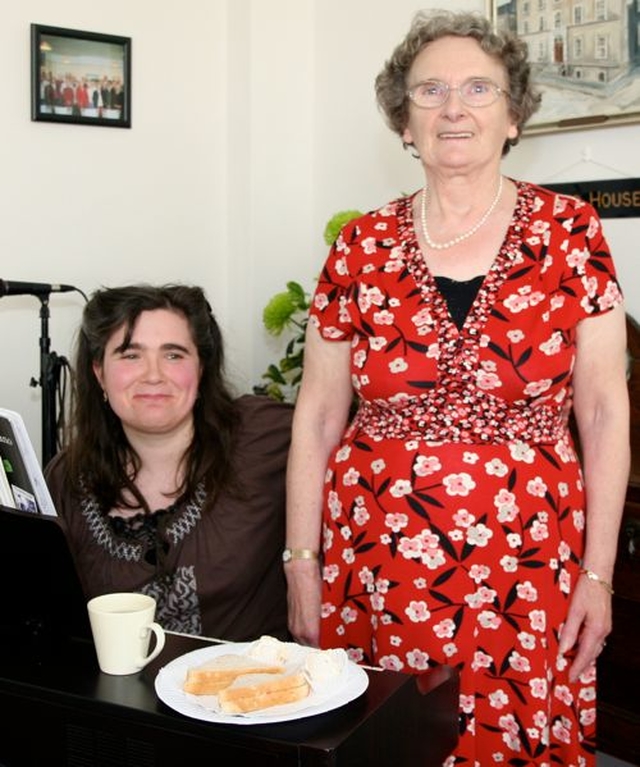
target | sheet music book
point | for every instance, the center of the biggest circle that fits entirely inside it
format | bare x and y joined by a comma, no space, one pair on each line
6,493
21,468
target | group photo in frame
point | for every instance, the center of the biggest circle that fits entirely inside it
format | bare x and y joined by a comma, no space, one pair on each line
585,59
80,77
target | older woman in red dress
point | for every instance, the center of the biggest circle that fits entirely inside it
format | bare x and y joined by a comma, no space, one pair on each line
455,519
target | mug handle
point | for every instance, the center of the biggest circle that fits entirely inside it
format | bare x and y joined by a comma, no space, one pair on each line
160,640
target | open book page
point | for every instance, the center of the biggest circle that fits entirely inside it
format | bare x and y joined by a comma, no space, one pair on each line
21,467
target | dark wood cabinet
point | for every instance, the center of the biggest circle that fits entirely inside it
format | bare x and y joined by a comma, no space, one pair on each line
59,709
619,664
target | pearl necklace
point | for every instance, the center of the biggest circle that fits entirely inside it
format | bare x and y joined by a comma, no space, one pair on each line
460,237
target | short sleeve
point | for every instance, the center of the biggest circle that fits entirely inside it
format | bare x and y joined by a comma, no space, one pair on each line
332,301
589,284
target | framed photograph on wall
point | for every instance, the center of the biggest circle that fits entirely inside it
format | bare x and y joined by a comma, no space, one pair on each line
80,77
585,58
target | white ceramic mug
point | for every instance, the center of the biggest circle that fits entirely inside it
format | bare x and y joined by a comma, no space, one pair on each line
122,624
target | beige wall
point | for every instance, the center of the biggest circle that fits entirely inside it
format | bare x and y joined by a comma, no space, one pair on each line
253,122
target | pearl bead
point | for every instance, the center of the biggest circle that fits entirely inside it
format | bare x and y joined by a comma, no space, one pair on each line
460,237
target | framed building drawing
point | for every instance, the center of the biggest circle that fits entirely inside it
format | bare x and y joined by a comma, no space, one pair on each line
585,59
80,77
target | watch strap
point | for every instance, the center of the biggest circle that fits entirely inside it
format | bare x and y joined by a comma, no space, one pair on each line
290,554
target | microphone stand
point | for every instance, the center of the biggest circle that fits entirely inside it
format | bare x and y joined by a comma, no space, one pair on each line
49,368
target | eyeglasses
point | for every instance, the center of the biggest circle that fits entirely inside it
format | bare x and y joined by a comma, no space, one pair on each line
474,92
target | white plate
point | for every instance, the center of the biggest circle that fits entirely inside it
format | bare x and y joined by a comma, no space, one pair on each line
170,680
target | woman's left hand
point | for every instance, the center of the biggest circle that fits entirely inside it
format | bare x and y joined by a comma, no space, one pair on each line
587,626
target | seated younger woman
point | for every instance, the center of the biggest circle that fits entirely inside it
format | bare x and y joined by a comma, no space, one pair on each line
168,484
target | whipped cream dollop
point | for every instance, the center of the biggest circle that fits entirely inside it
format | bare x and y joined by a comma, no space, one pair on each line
322,668
268,649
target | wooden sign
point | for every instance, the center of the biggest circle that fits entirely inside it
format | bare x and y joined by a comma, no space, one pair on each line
617,198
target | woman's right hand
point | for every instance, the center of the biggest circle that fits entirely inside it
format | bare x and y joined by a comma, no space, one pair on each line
320,418
304,584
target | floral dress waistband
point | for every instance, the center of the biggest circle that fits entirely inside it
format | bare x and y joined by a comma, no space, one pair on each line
475,418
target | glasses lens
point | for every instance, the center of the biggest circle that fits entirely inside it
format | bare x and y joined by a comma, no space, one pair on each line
430,93
478,92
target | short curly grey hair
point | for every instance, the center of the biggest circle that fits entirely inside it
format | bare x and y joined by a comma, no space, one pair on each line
507,48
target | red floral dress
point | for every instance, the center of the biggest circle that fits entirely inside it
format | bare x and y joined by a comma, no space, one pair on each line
454,507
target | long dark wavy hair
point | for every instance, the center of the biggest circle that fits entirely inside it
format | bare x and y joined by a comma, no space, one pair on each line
99,456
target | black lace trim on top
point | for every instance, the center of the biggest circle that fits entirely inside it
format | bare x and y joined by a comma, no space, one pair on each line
146,530
459,296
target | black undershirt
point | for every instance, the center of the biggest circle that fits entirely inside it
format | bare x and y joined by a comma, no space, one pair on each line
459,296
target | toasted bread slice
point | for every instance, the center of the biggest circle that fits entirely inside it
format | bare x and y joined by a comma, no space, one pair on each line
219,672
252,692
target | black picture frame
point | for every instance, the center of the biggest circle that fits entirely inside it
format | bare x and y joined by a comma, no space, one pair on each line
80,77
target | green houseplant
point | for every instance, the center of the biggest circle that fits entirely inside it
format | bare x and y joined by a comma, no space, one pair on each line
286,311
287,314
